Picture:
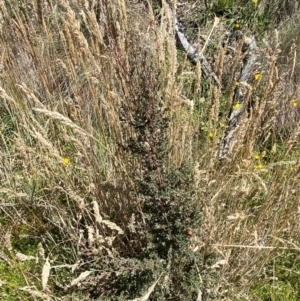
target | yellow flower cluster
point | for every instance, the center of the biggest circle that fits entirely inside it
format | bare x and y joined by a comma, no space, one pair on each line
258,164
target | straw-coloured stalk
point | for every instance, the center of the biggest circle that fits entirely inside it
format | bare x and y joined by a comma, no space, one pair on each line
46,273
146,296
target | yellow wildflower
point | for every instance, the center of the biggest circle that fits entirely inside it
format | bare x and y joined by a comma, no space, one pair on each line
237,25
237,105
256,156
254,1
66,160
210,134
237,83
294,103
257,76
258,166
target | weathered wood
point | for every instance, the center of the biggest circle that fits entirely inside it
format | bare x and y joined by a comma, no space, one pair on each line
249,62
229,139
191,52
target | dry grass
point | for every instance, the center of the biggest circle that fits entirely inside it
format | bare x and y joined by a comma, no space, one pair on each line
109,165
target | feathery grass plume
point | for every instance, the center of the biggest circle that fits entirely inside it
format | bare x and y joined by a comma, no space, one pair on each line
23,257
46,273
35,293
80,278
98,217
41,251
113,226
63,119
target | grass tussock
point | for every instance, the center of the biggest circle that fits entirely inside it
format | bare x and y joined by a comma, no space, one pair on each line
111,183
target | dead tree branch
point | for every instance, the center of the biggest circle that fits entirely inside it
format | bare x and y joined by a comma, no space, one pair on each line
229,139
191,52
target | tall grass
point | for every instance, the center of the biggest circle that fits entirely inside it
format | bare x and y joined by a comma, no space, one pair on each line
111,186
